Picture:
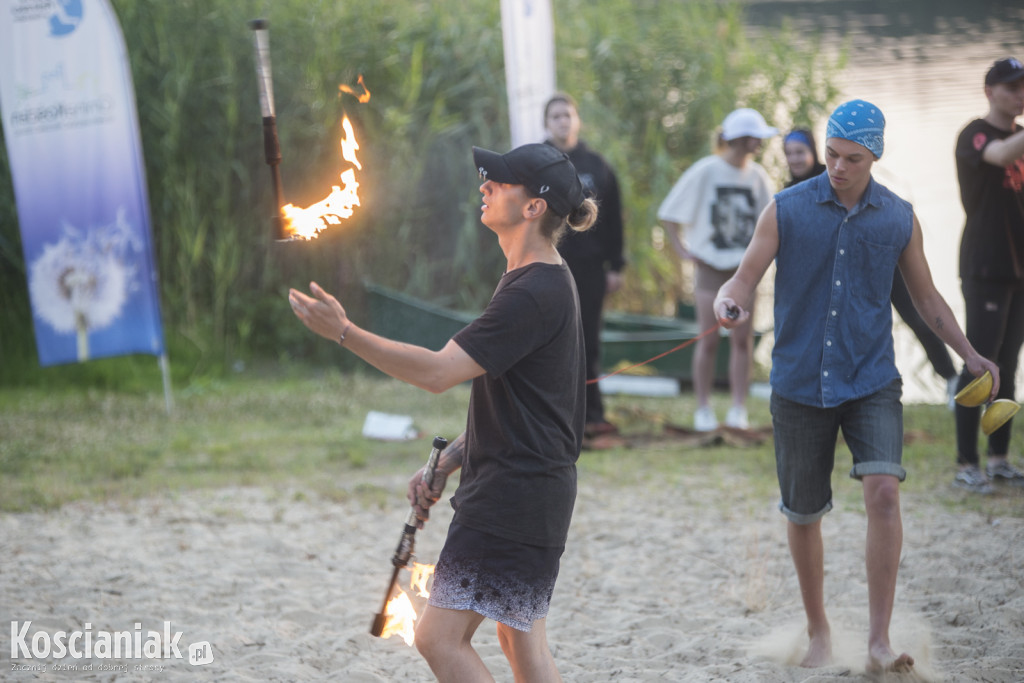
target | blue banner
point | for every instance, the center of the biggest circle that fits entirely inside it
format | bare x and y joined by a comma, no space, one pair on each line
72,136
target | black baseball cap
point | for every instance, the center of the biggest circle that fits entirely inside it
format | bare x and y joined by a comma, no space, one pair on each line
1005,71
542,169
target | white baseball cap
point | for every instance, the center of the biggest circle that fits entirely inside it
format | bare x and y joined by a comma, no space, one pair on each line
746,123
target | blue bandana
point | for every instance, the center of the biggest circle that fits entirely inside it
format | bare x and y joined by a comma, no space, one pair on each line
860,122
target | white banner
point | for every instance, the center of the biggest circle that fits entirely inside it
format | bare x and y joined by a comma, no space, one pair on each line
529,41
72,137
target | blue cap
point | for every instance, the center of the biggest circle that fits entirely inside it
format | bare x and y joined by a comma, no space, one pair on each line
860,122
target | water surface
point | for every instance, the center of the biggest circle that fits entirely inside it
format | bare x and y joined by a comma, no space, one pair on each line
923,64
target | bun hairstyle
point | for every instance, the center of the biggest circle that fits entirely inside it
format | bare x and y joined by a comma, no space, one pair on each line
583,217
580,219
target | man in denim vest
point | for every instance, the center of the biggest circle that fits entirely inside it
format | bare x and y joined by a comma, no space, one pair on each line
837,240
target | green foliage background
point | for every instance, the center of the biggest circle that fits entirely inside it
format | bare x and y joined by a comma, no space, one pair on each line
653,80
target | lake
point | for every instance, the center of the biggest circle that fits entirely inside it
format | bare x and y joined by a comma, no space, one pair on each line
923,63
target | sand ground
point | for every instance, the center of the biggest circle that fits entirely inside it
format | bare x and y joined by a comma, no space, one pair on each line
658,583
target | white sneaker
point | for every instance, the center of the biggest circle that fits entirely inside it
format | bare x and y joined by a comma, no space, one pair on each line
737,418
704,419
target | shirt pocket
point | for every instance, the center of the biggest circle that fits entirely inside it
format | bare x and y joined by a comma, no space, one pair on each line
874,266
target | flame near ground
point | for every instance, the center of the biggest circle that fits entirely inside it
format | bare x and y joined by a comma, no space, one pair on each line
400,613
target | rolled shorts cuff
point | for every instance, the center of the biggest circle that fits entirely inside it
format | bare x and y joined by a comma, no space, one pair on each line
798,518
860,470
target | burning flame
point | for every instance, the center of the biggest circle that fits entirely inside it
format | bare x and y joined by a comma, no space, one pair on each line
349,144
400,617
337,206
421,573
364,98
399,612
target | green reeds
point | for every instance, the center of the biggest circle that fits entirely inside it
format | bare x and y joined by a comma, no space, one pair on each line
653,80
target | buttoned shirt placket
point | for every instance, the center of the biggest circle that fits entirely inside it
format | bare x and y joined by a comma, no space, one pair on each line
837,299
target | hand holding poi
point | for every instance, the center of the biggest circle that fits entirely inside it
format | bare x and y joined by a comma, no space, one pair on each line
977,364
729,313
322,314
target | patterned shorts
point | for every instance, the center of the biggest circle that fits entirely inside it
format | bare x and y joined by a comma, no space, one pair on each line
503,580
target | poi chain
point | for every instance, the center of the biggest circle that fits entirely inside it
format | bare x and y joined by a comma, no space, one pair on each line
660,355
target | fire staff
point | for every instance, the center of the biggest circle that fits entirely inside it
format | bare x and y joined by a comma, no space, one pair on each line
524,431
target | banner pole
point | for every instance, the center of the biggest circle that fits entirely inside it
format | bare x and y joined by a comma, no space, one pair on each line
165,372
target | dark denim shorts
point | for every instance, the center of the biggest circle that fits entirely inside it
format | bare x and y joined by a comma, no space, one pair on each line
500,579
805,447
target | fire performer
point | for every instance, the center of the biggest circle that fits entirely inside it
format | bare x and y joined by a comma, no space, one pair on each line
836,240
525,425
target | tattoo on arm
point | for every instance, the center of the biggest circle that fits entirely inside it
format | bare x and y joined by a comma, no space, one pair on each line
940,323
451,457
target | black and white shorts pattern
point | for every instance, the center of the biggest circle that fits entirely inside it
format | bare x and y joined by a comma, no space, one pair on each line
500,579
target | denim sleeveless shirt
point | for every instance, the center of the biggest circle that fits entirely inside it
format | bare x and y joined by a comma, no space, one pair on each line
834,270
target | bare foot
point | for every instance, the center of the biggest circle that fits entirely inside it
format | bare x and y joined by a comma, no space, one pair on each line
819,651
887,661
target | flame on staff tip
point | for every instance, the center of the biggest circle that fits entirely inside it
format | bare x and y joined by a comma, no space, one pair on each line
307,223
364,98
399,613
421,573
349,144
400,617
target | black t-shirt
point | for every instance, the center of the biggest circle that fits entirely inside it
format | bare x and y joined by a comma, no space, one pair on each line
525,425
992,247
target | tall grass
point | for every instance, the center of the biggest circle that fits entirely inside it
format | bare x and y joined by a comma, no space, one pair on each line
653,79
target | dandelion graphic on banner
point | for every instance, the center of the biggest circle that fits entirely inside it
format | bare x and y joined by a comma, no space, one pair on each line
81,282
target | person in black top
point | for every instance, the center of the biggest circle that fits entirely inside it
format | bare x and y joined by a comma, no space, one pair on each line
524,430
595,257
990,168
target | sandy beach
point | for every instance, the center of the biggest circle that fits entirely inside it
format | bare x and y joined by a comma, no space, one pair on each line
667,582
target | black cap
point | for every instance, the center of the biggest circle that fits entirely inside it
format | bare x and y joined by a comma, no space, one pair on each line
1005,71
542,169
